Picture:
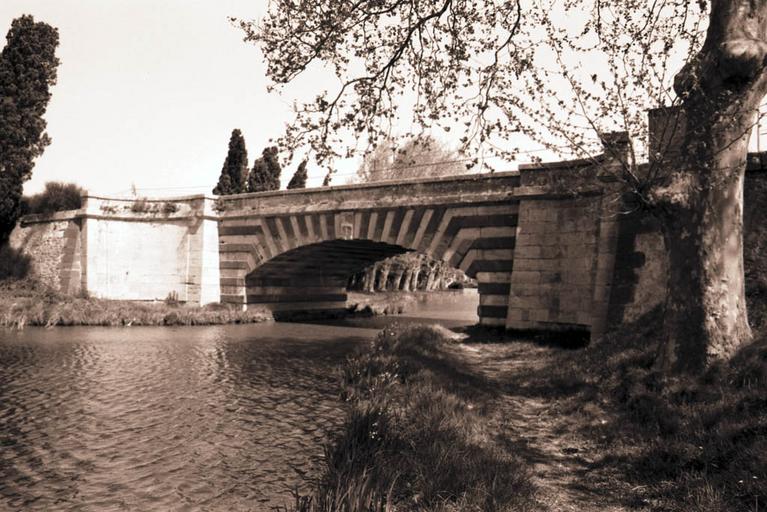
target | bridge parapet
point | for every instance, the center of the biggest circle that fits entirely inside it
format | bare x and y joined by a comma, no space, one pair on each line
470,189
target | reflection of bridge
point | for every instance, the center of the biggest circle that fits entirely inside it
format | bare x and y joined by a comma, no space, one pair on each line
541,243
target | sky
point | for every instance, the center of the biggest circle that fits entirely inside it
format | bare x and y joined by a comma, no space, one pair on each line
148,93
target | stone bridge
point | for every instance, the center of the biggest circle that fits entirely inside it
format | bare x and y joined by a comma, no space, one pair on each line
541,243
297,249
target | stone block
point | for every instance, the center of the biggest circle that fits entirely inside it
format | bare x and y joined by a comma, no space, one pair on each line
526,277
528,251
549,277
494,300
496,254
494,277
492,321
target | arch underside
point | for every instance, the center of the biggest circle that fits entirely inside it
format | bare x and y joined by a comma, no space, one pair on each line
302,262
313,277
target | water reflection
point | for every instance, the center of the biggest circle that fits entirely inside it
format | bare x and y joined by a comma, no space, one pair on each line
165,418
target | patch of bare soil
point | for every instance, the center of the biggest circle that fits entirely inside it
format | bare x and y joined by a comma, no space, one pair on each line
540,414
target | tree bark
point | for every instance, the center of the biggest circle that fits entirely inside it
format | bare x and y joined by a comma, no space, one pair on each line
702,200
383,276
398,275
370,278
415,278
407,279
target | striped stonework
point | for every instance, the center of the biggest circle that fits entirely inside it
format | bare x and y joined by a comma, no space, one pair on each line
541,243
303,261
300,256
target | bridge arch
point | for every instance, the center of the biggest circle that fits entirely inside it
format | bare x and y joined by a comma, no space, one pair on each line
302,261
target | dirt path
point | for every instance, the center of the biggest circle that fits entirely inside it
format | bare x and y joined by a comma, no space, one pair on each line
537,417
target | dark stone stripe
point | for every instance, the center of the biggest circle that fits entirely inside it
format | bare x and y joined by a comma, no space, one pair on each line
303,230
460,252
276,298
431,228
413,228
299,280
232,299
331,220
399,214
506,242
364,221
315,220
490,266
380,221
233,264
289,230
494,288
235,247
239,230
492,311
232,281
271,225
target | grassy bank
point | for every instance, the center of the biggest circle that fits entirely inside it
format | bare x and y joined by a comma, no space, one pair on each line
416,435
688,444
25,303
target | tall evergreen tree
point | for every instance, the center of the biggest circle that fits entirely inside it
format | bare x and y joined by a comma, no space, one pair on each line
234,173
266,172
27,71
299,178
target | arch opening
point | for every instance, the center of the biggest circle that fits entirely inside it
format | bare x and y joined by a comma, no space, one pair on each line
313,277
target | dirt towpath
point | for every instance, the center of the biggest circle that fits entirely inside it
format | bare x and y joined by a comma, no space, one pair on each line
536,417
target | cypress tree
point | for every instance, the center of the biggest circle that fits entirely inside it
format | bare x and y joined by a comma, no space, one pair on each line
235,169
299,178
266,172
27,71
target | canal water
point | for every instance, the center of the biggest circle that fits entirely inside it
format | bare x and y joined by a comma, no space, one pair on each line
166,418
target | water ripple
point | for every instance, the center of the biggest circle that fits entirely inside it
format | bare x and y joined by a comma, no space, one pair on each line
157,418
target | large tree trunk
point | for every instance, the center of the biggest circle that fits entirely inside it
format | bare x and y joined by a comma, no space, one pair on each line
702,203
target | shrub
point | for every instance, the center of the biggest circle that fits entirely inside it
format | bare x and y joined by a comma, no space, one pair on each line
13,263
140,205
56,197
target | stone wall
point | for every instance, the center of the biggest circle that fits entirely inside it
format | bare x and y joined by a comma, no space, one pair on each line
565,248
641,261
127,249
54,243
